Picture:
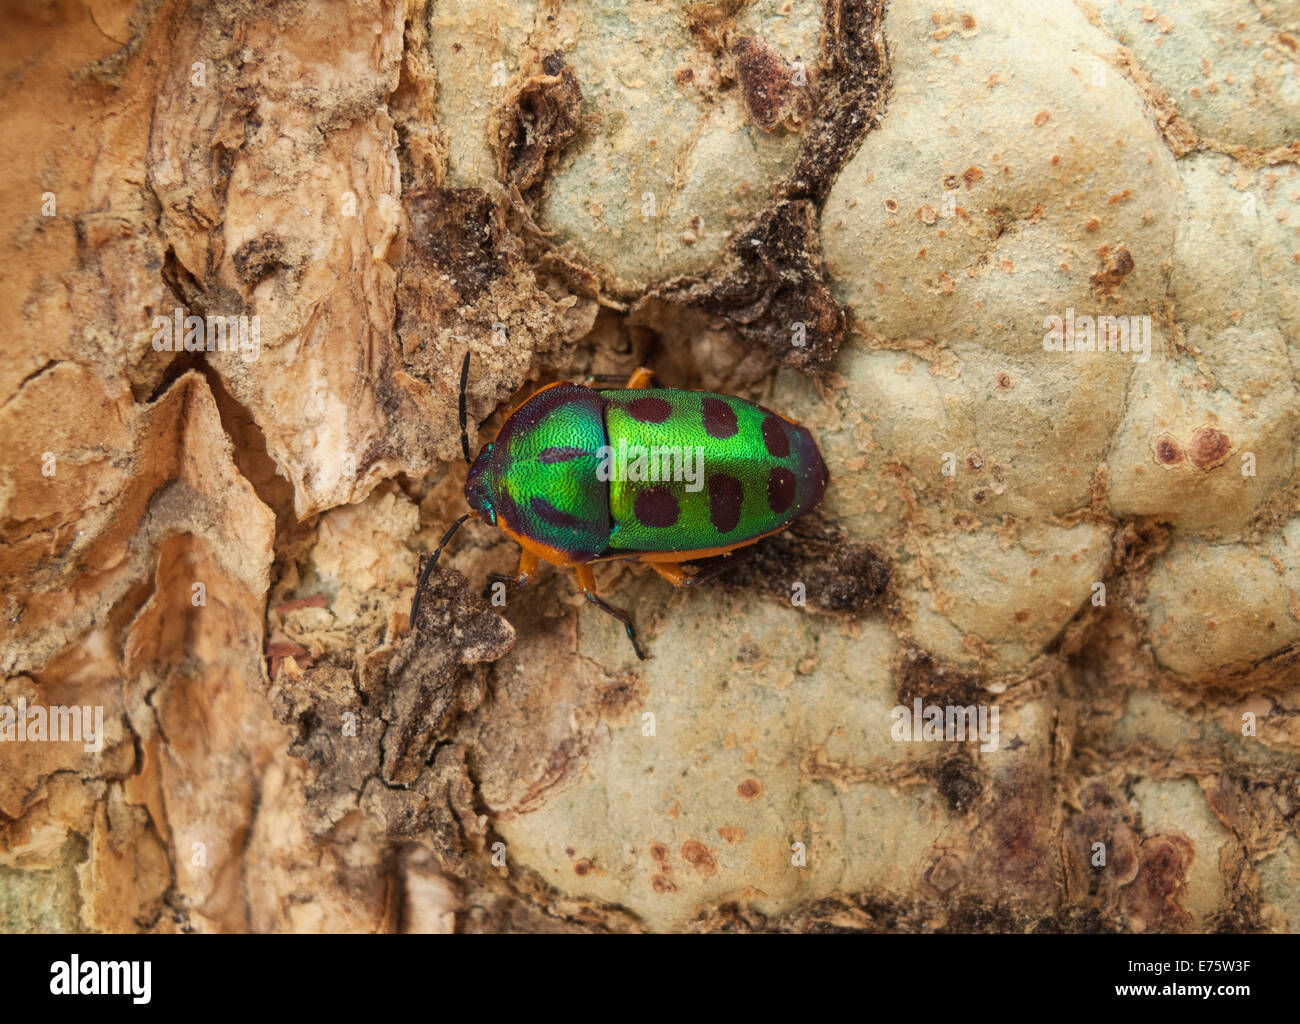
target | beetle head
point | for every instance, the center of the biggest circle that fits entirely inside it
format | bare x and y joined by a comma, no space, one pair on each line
478,485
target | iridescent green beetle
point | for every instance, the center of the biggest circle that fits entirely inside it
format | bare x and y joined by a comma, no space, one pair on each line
578,475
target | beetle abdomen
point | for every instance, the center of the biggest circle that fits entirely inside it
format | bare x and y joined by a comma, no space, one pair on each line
546,488
691,470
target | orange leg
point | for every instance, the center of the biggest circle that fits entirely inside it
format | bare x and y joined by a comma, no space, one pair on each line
527,569
672,572
641,376
679,577
587,584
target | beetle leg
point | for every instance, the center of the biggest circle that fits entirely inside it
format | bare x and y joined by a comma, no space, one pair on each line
587,584
639,379
641,376
527,570
679,577
673,573
603,378
527,567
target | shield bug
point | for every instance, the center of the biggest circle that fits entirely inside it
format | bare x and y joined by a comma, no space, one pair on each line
578,475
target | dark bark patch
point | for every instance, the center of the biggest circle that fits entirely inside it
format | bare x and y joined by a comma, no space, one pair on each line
777,93
457,232
837,574
259,258
536,122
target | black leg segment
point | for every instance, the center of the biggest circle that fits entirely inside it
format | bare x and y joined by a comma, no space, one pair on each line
622,617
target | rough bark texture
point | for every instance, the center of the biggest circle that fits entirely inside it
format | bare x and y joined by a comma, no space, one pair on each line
858,215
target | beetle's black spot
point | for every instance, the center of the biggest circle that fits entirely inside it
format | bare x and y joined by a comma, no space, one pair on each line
650,410
726,495
553,516
508,510
775,437
780,489
719,419
656,506
561,454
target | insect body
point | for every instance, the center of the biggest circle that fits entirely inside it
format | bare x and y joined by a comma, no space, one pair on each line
578,475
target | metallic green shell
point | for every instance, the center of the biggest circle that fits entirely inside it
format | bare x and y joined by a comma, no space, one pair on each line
734,470
607,473
539,475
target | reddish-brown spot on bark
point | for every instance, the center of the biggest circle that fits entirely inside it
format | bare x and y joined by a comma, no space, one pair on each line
1167,451
1116,266
768,84
697,855
1154,897
1209,448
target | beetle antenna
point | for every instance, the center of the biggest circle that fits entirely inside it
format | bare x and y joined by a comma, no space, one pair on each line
464,430
428,566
